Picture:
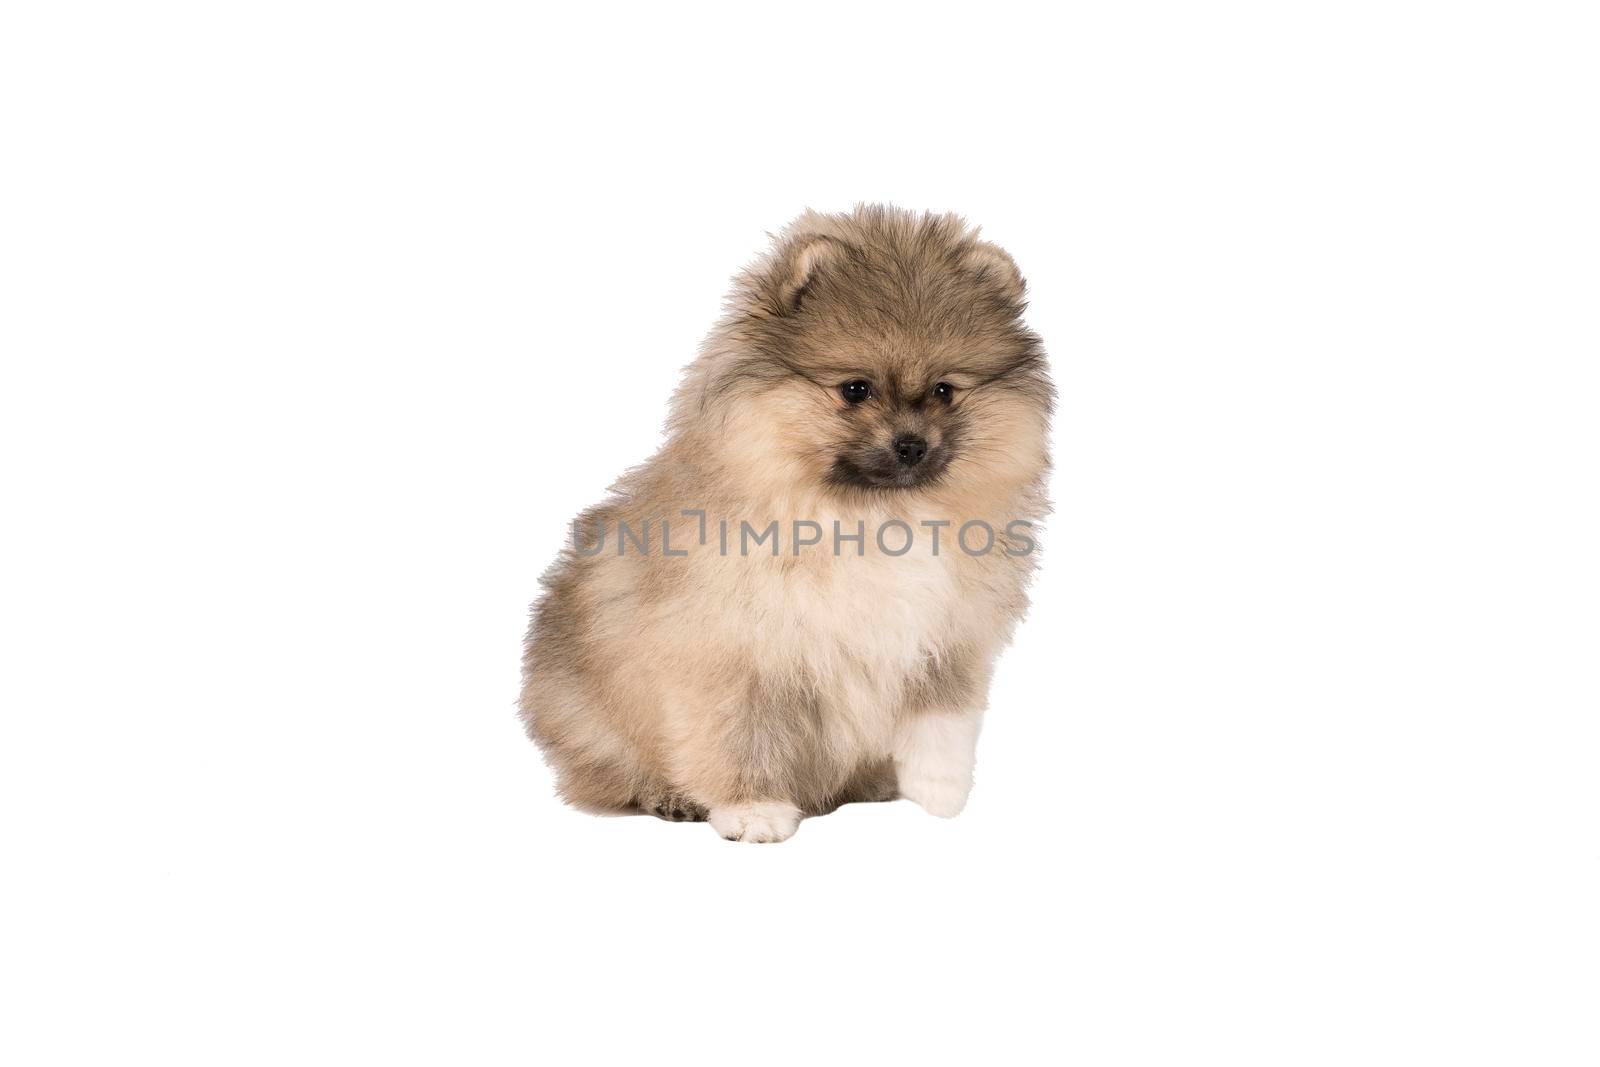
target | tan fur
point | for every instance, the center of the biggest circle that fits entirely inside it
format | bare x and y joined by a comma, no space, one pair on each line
753,684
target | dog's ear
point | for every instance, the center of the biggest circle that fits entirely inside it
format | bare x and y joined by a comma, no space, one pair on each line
995,266
797,270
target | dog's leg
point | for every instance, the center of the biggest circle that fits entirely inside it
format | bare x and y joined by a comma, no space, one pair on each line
933,758
937,740
760,822
750,756
671,805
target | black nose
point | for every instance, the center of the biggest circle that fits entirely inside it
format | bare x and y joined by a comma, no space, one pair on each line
910,448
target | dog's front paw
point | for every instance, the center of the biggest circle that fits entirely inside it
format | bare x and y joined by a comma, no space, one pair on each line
756,822
944,797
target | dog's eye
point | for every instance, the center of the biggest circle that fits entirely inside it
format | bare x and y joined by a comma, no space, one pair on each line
944,391
855,392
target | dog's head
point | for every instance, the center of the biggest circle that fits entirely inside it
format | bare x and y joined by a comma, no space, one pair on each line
880,352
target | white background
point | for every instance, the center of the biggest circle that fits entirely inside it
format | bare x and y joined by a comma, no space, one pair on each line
321,320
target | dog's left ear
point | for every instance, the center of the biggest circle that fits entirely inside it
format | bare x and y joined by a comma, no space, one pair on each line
994,265
798,270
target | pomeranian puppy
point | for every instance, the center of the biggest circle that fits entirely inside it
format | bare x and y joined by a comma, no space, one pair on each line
798,601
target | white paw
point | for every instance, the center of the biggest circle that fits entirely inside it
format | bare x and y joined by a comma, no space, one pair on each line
756,822
944,797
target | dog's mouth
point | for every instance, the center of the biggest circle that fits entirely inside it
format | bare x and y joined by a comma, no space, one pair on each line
851,471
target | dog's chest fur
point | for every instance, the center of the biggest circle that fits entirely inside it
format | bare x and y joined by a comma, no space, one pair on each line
856,633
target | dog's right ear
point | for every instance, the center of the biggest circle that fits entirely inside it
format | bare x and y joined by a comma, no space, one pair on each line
797,269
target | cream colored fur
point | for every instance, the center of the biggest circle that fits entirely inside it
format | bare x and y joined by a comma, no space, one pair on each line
753,689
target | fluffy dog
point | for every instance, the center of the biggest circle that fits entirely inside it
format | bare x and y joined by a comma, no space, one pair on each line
872,413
